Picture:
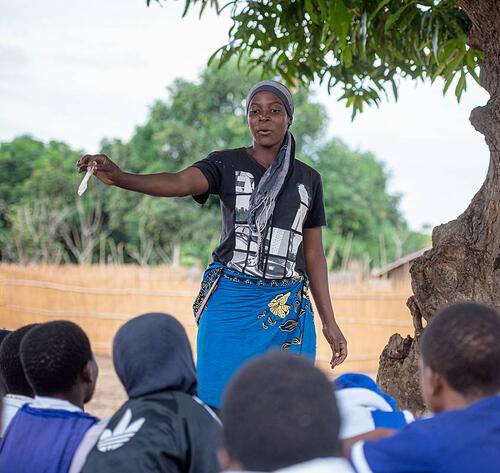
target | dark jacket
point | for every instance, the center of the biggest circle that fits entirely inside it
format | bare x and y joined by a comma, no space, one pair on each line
163,427
175,434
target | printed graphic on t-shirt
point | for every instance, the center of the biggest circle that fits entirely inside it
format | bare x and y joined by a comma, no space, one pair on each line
233,175
281,245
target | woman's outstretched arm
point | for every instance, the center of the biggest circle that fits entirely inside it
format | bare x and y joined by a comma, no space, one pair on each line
190,181
318,274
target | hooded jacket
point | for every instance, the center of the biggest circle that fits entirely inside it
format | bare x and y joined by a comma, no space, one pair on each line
163,427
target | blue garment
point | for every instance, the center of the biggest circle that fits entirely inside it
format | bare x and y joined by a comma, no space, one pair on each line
364,406
42,440
388,420
247,316
359,380
465,441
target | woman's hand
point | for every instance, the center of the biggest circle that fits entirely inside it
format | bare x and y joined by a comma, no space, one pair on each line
337,342
104,169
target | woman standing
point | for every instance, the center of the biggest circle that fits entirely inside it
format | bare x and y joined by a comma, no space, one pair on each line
254,296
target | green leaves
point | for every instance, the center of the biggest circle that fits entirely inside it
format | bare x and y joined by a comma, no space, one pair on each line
311,10
340,20
360,47
394,17
347,57
461,86
381,5
204,3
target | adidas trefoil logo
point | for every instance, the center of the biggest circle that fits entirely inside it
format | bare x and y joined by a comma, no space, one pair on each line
123,432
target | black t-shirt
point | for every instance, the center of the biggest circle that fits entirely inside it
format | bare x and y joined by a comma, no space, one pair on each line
233,175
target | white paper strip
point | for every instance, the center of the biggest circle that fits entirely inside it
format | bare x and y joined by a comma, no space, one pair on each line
85,180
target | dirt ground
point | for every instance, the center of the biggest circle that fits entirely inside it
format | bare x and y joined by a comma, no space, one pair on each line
109,394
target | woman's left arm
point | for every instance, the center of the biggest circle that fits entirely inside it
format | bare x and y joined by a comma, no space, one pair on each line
318,274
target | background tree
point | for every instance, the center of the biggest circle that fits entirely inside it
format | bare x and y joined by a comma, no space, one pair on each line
360,211
43,220
364,47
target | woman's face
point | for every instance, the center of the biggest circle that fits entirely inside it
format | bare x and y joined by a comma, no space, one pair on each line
267,119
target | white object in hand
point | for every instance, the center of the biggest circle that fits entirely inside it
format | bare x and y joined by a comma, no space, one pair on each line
85,180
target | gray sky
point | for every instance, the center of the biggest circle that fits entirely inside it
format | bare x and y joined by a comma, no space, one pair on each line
78,71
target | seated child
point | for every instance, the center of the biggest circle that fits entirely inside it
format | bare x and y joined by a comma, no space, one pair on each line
279,414
365,407
460,377
3,333
17,389
3,391
163,427
43,435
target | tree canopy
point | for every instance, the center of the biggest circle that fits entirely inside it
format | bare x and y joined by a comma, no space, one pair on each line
43,220
362,47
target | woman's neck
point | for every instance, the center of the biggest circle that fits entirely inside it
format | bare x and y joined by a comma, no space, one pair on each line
264,155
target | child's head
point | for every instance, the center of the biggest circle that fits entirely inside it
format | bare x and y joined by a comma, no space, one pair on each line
11,369
152,353
279,410
460,356
3,333
58,362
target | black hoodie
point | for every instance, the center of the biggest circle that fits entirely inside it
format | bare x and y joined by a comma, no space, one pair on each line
163,427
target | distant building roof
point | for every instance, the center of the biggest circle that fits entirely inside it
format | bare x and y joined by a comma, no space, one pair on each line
377,272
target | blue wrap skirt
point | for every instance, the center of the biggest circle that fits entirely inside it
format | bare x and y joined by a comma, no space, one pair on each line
246,316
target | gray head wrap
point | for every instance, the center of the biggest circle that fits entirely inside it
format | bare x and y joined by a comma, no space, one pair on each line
277,89
263,199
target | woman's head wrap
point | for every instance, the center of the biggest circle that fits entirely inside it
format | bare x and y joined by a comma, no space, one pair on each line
277,89
263,198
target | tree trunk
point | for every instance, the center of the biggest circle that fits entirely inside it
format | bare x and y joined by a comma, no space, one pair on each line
464,262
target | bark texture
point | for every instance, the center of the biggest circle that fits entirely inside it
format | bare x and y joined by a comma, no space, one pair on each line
464,262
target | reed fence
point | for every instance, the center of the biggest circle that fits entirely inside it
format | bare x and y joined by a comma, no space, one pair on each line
101,298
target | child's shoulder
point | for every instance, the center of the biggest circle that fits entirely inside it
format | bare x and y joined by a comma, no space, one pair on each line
453,422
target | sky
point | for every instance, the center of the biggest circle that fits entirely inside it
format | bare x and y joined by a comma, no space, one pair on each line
79,71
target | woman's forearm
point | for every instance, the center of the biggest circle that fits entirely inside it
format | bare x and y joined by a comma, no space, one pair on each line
180,184
162,184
